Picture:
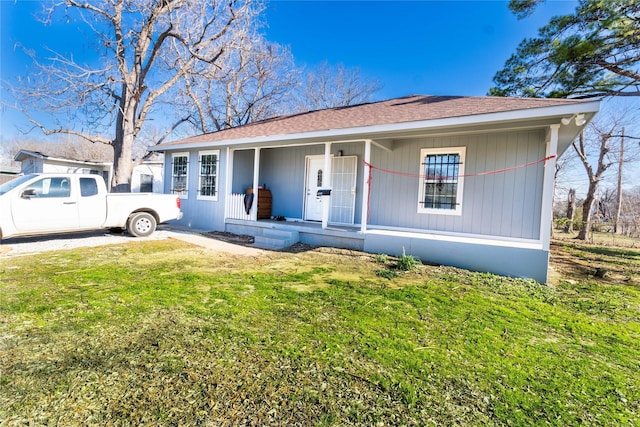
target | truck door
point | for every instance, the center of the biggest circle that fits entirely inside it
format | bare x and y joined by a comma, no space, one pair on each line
92,204
51,207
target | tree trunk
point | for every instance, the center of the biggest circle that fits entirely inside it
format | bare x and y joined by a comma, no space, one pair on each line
123,145
587,207
616,222
571,209
594,178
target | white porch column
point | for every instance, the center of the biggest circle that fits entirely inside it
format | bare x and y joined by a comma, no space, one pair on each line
547,188
256,183
228,181
326,183
365,187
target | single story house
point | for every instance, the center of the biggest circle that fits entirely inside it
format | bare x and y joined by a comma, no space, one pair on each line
147,177
460,181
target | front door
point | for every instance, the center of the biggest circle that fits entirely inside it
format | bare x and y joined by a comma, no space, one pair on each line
315,173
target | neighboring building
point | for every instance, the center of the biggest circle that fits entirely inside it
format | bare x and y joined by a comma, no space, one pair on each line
146,177
8,172
462,181
37,162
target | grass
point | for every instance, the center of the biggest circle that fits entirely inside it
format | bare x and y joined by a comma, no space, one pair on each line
164,333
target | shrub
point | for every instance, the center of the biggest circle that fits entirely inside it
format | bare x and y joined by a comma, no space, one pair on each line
407,262
382,258
386,273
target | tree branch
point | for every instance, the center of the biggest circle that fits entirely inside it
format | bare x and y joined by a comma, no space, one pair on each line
48,132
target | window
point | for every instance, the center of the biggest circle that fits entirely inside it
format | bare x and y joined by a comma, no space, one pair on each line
441,180
51,187
146,183
208,178
88,187
179,174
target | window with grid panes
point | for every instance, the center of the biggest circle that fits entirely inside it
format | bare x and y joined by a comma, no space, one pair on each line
441,180
208,178
179,174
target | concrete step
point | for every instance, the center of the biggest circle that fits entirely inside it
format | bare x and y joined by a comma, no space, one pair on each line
276,239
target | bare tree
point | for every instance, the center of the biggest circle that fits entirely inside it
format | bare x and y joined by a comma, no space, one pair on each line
618,206
571,209
601,139
250,83
330,87
67,146
148,48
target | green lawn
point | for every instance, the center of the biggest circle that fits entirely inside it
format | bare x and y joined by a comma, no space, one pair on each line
164,333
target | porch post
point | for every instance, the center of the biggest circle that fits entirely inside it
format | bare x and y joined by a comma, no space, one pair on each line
326,183
365,187
256,183
547,187
228,181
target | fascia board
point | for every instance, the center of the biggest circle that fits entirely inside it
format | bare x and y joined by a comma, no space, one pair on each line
368,132
23,154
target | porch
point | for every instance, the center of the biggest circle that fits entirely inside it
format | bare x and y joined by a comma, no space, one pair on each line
273,234
313,185
526,258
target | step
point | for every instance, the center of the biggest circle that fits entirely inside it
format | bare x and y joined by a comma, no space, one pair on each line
276,239
283,234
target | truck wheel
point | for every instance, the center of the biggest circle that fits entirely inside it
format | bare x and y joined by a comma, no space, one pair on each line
141,224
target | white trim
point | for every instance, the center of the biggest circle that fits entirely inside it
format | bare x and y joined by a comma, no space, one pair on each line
366,176
546,210
461,151
326,183
476,239
228,184
256,184
367,131
173,156
217,175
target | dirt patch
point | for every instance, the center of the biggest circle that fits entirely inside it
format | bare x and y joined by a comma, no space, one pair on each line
593,262
238,239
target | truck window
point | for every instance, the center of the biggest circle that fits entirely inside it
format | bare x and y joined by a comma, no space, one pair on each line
88,187
52,187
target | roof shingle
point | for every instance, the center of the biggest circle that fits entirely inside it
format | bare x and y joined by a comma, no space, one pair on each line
398,110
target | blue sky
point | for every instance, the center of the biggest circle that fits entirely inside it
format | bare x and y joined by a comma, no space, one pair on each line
410,47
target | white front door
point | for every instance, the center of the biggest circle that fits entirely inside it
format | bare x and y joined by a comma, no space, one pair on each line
315,173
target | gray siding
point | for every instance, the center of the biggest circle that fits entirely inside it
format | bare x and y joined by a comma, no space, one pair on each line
506,261
242,171
200,214
504,204
282,170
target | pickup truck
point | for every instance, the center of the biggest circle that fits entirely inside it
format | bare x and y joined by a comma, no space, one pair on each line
60,203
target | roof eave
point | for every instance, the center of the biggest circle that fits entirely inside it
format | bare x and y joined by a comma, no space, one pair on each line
364,132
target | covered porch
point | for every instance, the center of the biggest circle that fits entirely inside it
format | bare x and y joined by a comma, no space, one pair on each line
311,186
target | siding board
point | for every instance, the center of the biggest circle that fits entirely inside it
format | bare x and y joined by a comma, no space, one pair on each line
503,204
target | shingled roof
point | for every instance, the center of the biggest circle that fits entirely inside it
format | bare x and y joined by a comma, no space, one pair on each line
399,110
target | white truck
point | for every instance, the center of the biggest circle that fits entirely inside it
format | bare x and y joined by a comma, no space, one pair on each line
60,203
